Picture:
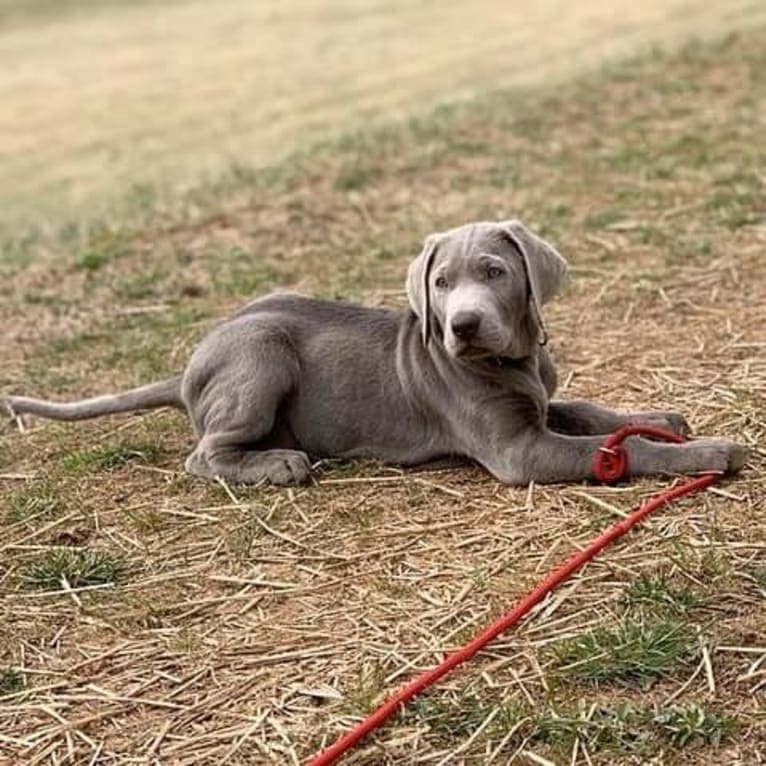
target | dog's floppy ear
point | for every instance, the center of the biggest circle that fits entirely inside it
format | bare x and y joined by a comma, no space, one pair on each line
544,265
418,288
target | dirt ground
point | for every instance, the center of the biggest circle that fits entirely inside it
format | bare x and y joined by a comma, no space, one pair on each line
105,100
147,617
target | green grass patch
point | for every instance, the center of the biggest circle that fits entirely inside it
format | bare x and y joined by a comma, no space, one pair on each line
356,177
11,681
624,729
104,246
655,592
77,567
449,718
141,286
693,724
107,458
240,273
634,652
137,345
627,728
32,503
710,564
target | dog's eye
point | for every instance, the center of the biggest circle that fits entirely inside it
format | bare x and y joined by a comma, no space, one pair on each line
441,282
493,272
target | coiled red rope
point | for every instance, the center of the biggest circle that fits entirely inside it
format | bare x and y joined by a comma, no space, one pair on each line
610,465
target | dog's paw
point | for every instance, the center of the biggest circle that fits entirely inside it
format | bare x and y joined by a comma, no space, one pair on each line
278,466
283,467
677,423
718,455
670,421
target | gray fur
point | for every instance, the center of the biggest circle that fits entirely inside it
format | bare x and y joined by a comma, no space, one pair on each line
463,373
165,393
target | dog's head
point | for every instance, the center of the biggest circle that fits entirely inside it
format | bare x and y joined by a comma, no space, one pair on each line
481,287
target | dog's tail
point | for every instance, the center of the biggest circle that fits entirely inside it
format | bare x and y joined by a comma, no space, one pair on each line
166,393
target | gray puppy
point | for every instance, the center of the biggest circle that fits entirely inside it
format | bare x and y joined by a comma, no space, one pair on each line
463,372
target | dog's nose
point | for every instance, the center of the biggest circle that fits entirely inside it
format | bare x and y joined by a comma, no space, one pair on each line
465,324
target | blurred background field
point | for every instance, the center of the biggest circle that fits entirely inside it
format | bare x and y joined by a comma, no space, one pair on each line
106,100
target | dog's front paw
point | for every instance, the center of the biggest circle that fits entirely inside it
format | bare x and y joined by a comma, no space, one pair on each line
670,421
677,423
718,455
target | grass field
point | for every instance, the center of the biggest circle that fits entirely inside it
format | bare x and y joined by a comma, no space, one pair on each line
147,617
107,99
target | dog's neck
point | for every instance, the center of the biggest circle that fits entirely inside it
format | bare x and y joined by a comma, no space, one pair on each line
493,366
507,361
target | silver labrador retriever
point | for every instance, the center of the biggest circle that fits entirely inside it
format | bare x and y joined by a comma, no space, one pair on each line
463,373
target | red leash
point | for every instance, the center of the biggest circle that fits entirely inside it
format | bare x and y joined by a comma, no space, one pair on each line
611,464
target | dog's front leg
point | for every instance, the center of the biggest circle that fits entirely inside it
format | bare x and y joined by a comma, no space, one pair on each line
542,456
582,418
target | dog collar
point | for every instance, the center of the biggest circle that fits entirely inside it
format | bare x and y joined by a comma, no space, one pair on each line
506,361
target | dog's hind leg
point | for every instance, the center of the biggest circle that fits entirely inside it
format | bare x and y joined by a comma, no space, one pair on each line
234,387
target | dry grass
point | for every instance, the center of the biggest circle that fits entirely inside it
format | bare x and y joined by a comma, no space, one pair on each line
253,626
113,97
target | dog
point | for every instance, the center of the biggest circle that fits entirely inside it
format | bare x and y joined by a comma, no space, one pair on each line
464,372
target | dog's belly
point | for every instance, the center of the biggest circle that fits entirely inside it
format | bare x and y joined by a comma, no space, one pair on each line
354,406
344,422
